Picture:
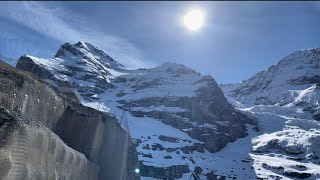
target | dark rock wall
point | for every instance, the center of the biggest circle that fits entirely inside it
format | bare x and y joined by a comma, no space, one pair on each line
96,139
31,151
208,106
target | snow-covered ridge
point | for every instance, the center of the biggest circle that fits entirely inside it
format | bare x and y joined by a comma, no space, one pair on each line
294,81
303,56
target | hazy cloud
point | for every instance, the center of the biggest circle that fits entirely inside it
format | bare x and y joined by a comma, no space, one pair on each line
50,22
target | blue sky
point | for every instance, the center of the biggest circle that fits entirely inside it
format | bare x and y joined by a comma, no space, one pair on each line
238,39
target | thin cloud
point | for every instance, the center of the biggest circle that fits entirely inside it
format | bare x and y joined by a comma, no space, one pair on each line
50,22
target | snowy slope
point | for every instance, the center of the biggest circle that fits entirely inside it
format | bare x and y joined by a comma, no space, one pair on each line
177,117
287,145
294,81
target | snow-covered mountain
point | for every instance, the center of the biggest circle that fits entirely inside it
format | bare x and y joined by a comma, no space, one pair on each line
294,81
285,101
178,118
7,60
182,123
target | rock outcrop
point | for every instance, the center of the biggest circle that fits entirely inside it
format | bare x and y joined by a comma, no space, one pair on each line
47,135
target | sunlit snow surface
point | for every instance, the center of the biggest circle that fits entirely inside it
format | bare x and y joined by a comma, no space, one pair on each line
296,132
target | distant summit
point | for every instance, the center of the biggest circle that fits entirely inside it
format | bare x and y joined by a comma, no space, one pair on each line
294,81
87,50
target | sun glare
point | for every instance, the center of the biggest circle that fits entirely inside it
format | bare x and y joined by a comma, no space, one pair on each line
193,20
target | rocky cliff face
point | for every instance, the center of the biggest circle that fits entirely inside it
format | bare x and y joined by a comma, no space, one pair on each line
47,135
177,117
294,81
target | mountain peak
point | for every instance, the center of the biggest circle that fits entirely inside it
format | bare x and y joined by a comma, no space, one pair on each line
172,65
85,50
306,56
175,68
80,48
90,47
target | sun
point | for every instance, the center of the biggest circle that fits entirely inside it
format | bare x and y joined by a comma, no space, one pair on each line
194,19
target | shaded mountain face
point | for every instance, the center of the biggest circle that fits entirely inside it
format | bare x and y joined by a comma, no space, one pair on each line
294,81
176,116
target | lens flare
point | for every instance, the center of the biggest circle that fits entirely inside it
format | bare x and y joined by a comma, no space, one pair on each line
194,19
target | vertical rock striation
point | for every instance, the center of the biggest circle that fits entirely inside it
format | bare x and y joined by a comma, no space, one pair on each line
46,135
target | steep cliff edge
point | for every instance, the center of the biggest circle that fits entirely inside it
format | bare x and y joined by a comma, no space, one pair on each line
46,135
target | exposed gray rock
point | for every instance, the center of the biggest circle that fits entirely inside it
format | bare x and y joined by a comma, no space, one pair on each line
225,123
212,176
298,175
168,139
51,136
171,172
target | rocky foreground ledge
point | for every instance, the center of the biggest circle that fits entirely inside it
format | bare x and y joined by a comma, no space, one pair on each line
46,135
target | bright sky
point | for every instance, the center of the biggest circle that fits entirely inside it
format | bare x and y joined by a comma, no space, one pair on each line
235,41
